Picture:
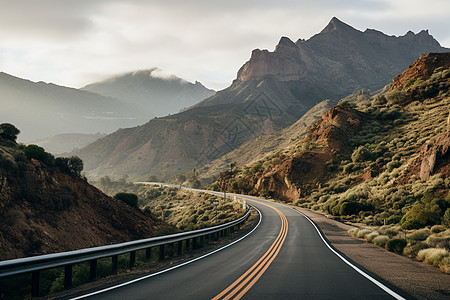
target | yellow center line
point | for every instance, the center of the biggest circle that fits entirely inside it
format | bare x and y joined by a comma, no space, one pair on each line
258,269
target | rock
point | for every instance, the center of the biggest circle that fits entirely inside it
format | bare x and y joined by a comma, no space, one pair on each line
434,155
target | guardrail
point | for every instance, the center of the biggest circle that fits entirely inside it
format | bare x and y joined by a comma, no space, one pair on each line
36,264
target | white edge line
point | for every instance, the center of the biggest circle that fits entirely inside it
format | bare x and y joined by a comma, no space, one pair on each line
373,280
171,268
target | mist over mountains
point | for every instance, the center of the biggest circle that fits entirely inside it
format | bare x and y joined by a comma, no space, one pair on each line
41,110
272,91
153,93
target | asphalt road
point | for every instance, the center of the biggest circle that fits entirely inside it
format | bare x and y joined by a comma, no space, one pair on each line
284,258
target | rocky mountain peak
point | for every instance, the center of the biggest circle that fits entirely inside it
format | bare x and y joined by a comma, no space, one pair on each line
337,25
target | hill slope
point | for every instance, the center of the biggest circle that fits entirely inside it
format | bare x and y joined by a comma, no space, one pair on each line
384,160
272,91
151,92
62,143
45,210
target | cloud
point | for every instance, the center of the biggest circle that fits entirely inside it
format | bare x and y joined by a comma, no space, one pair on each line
77,42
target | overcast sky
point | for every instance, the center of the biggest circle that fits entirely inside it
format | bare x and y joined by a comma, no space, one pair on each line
74,43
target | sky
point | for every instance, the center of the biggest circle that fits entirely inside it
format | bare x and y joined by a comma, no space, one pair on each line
75,43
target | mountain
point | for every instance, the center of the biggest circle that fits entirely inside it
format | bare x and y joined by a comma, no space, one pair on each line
46,207
152,92
382,160
271,92
67,142
40,109
267,144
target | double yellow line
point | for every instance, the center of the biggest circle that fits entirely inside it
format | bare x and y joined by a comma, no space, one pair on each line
249,278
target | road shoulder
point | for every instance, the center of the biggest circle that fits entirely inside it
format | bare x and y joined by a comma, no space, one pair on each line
416,278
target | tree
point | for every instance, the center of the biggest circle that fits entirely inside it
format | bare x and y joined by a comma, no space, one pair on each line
9,131
128,198
36,152
72,165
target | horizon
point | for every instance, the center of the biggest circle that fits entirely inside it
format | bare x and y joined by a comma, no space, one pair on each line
78,44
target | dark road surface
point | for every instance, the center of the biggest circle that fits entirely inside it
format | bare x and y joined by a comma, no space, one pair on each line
289,259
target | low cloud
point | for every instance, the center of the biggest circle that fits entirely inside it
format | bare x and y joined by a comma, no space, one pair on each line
74,43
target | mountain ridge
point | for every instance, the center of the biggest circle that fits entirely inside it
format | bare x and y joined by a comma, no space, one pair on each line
271,91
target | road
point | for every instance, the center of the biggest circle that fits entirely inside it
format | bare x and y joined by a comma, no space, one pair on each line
284,258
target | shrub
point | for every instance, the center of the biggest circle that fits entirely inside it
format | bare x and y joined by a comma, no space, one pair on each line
381,240
73,165
432,256
419,235
394,219
9,132
128,198
437,229
369,238
363,232
418,217
36,152
412,249
396,245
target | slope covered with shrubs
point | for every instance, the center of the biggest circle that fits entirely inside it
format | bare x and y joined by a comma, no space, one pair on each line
377,160
46,206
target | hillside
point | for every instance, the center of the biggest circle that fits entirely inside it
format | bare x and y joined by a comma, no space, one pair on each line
47,207
266,144
62,143
151,92
42,110
384,160
272,91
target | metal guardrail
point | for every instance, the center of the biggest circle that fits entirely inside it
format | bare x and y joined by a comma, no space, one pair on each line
36,264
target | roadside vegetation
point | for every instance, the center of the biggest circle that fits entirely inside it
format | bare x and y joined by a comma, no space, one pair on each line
429,244
183,209
376,181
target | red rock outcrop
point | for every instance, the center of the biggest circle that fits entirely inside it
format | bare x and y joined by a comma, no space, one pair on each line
422,68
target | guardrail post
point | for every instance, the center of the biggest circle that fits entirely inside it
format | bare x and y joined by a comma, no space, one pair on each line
35,283
115,265
67,277
194,243
132,259
180,248
148,254
161,252
93,270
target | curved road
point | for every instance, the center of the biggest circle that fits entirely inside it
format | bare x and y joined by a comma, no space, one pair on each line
284,258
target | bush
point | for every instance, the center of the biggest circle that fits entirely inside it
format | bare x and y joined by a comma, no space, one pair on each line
128,198
36,152
73,165
419,235
363,232
381,240
432,256
396,245
394,219
9,132
418,217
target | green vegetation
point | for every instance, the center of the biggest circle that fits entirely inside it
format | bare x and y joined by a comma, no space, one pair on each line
9,132
429,244
186,210
128,198
15,156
